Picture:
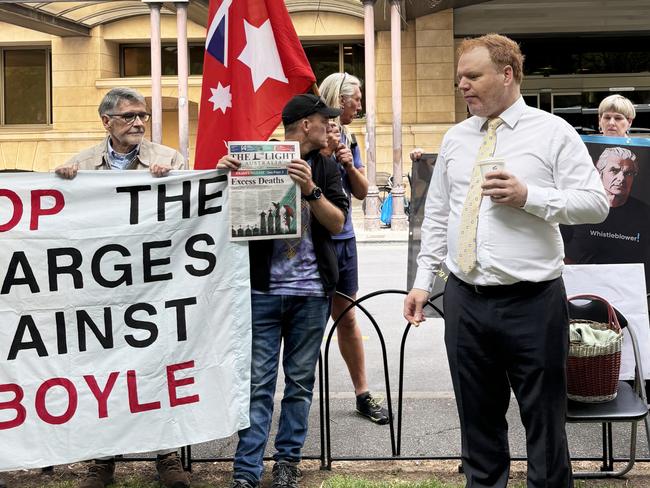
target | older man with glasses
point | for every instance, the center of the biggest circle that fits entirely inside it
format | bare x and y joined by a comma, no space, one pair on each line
124,112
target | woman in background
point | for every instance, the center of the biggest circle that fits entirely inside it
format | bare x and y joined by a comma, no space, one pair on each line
615,116
341,90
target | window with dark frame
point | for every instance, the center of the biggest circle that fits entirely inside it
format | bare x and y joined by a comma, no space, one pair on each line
326,58
25,86
135,59
585,55
602,56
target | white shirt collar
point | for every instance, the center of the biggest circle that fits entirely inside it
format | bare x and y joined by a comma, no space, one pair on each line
510,116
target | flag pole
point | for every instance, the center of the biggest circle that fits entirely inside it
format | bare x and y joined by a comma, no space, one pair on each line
314,88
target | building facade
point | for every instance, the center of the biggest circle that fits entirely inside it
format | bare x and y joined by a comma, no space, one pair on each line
57,63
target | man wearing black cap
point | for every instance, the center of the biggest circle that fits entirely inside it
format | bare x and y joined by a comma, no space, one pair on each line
292,282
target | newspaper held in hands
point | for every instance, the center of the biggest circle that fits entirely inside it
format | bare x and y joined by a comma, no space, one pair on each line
264,200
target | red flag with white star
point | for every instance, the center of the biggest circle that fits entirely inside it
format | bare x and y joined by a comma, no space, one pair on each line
254,63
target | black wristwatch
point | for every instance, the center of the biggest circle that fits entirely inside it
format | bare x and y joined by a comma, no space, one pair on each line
315,194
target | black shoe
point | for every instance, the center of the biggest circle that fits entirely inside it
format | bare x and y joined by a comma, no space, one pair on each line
285,475
371,409
239,483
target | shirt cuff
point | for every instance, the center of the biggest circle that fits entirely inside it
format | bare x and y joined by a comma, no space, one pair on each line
536,201
424,279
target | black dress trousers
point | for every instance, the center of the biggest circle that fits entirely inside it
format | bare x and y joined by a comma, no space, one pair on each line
503,337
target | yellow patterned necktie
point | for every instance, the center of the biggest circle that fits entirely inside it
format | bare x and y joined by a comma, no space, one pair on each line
469,215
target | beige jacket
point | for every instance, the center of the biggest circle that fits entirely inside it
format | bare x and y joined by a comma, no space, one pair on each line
96,157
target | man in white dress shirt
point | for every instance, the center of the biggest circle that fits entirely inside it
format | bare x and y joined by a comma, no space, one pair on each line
506,322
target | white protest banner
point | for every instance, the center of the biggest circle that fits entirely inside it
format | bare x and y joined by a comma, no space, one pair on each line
124,315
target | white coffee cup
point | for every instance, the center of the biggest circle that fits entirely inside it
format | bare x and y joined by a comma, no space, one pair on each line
490,164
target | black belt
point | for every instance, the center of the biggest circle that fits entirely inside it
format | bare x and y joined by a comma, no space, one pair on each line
515,289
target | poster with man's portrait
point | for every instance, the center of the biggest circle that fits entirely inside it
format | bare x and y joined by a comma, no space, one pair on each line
624,237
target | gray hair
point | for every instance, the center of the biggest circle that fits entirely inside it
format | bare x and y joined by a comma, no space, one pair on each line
338,85
114,97
334,87
619,104
618,153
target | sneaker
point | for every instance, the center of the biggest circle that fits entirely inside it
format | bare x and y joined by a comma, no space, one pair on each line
100,474
171,472
239,483
371,409
285,475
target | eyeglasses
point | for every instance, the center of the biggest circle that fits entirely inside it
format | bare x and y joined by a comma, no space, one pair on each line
129,117
341,85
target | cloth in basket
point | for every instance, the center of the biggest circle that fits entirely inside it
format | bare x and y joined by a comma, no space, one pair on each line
594,359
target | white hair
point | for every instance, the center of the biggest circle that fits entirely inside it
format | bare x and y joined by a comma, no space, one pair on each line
617,153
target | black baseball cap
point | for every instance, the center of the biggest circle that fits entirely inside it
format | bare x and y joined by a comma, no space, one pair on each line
304,105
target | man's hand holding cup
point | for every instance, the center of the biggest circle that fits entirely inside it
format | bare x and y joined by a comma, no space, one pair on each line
502,187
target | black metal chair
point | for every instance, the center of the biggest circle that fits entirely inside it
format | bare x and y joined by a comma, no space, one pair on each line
629,406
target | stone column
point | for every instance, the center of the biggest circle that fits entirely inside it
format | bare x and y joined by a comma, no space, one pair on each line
183,105
398,220
156,72
371,219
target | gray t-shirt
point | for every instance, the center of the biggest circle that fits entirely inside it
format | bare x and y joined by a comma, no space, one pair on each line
294,270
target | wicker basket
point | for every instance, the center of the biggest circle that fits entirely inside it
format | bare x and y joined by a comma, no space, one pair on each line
593,370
